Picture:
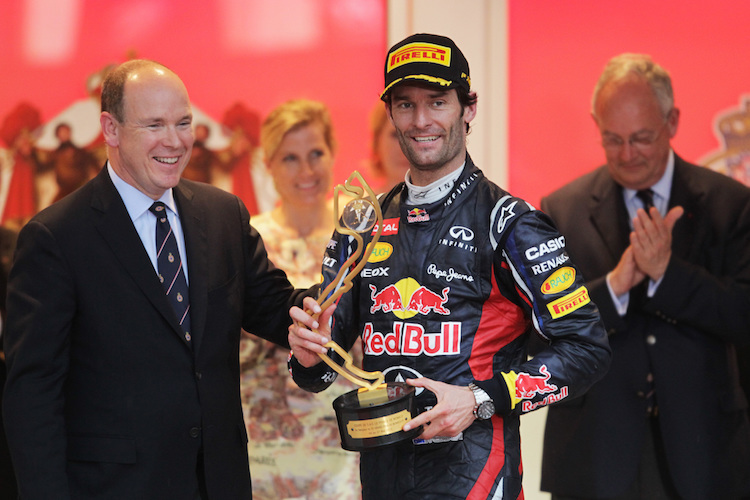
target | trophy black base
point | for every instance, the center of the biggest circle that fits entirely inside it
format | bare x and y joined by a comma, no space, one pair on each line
372,419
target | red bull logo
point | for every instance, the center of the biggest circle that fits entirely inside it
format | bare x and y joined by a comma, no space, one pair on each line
417,215
407,298
424,301
387,300
528,386
410,339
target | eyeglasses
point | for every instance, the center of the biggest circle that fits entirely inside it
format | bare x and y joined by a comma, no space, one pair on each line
640,141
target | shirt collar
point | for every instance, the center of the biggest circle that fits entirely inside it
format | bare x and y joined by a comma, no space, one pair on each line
136,202
435,191
663,187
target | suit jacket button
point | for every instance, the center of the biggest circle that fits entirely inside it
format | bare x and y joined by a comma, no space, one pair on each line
195,432
198,375
651,340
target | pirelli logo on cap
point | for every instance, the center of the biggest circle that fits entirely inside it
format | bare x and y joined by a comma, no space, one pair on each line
419,52
569,303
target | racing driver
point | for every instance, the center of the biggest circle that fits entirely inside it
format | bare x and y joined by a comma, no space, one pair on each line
462,275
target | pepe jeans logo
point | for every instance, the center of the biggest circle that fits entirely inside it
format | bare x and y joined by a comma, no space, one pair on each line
448,275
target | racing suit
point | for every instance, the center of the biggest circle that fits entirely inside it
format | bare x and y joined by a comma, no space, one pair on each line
452,292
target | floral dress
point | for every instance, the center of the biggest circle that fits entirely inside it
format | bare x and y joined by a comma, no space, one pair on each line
293,439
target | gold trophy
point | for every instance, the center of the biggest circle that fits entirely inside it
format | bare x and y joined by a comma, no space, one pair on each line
373,415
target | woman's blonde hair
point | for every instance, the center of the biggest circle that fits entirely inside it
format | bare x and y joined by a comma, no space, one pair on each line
292,115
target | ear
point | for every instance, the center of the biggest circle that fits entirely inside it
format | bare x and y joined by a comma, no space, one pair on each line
470,112
673,121
109,129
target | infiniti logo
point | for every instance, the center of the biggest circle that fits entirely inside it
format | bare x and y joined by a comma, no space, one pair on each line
462,232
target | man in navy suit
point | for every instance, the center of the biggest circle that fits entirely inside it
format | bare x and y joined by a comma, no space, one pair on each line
672,282
108,397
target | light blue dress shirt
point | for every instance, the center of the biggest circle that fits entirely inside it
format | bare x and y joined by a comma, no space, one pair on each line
137,204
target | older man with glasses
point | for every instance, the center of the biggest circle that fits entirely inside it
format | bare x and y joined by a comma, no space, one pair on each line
665,248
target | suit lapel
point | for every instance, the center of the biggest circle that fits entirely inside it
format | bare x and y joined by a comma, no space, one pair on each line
688,195
606,199
118,231
193,220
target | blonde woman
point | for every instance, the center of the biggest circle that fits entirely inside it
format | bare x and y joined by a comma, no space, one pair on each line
294,444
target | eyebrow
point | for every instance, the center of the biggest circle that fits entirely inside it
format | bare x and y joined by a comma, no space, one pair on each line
639,132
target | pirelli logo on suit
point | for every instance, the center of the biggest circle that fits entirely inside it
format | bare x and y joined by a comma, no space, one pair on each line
569,303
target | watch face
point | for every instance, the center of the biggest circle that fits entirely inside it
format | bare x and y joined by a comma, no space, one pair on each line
485,410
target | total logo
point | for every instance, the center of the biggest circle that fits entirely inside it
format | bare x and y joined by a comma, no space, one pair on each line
417,215
407,298
390,227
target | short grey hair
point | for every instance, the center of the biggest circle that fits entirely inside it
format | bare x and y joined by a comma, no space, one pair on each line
644,68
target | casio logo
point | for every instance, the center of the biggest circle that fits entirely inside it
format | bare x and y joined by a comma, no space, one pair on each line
545,248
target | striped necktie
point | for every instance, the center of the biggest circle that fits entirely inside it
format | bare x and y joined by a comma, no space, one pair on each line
647,198
169,262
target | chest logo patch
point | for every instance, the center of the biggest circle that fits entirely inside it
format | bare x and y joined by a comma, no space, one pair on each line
381,252
407,298
560,280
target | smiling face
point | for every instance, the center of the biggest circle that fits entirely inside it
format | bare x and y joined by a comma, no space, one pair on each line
150,148
302,166
431,128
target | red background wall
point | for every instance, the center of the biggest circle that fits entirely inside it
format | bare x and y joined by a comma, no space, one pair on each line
262,53
558,49
258,52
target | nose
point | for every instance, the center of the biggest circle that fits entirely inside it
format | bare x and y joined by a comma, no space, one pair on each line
421,116
307,167
172,137
627,151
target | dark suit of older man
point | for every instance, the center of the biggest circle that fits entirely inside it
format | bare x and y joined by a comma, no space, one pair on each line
685,333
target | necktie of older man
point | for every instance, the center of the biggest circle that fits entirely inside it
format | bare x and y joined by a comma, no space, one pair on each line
647,198
169,262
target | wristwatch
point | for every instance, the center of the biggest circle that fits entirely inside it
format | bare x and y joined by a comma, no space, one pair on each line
484,407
